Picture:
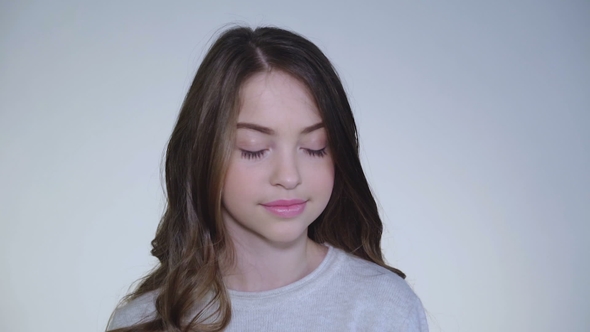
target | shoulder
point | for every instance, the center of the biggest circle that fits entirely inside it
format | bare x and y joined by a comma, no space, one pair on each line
373,278
380,294
138,310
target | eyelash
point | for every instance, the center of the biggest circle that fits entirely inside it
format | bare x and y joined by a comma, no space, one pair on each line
258,154
317,153
252,154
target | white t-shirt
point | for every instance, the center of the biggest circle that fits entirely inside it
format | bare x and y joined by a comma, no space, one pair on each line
344,293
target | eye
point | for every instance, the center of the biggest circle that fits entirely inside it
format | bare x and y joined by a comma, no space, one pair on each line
252,154
316,153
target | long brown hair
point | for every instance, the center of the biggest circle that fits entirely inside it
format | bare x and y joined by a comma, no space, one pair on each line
191,242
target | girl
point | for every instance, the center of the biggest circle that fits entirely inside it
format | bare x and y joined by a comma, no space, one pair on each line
270,223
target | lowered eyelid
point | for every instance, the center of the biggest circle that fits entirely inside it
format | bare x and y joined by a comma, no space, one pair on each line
249,141
318,141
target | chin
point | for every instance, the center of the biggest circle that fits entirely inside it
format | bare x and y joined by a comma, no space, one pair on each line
286,236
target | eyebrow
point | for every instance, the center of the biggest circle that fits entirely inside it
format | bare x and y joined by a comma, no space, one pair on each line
268,131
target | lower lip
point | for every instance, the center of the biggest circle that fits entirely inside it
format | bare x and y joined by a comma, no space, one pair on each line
286,211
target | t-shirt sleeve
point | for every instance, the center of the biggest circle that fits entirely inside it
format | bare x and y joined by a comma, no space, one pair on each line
416,320
136,311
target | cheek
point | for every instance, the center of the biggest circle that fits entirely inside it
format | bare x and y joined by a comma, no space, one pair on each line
241,182
236,181
321,177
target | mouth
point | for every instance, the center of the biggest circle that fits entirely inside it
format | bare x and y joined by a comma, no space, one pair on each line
286,208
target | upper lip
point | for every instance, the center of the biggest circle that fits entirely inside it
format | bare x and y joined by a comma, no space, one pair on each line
285,202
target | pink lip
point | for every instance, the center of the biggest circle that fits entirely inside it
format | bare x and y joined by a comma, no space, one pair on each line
286,208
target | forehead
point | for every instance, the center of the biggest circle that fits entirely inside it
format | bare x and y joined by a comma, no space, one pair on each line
274,98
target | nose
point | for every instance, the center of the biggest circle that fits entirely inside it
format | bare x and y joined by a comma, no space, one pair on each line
286,171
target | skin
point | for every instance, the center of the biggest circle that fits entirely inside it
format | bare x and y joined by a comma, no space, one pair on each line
280,152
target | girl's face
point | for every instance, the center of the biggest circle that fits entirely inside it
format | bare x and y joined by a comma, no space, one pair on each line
280,173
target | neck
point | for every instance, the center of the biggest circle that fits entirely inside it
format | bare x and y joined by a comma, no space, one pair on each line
267,266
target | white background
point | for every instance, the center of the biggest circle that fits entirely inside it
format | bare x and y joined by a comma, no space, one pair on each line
474,126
